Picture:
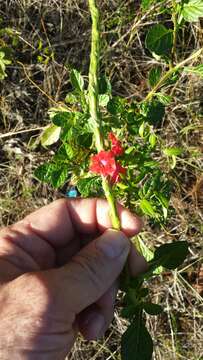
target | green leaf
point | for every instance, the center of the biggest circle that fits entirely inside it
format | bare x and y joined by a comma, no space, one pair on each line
145,4
128,312
164,99
90,185
62,118
152,309
198,70
147,208
153,111
77,80
3,62
50,135
104,85
59,177
69,151
43,172
192,10
173,151
141,130
116,105
159,40
154,75
152,140
136,343
56,174
103,100
171,255
71,98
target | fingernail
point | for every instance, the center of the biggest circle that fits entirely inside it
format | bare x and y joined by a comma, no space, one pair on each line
113,243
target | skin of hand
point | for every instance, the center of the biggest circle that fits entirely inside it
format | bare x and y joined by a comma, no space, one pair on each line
59,270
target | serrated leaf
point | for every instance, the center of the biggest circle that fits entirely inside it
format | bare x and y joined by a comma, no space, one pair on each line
77,80
71,98
70,152
43,172
159,40
55,174
197,70
153,111
164,99
116,105
152,309
104,85
89,185
147,208
103,100
136,343
62,119
171,255
154,75
50,135
59,176
173,151
192,10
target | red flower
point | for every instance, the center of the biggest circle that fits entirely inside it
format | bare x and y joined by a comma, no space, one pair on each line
116,175
116,147
104,163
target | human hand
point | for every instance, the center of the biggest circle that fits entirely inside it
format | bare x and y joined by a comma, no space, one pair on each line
58,273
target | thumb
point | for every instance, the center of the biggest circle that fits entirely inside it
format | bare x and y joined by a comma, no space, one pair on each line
94,269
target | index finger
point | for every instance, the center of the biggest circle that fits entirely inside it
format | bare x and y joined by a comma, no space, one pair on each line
60,221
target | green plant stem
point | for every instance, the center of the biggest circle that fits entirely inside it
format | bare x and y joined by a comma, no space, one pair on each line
175,29
94,107
170,72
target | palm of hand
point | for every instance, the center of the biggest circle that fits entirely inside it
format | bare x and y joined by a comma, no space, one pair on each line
45,295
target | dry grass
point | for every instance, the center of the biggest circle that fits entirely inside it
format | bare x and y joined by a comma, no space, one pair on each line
62,28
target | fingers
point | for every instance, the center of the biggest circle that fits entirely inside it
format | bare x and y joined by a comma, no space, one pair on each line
137,263
58,222
95,320
93,270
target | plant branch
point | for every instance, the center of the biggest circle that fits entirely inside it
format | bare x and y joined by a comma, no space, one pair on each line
175,29
172,70
94,107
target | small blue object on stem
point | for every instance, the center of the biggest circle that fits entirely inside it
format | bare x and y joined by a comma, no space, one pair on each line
72,192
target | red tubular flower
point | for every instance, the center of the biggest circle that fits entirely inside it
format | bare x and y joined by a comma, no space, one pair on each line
116,147
104,164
